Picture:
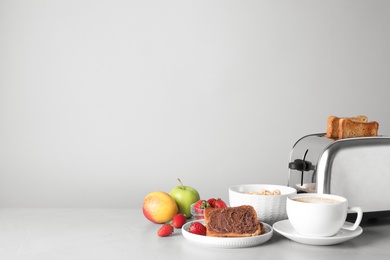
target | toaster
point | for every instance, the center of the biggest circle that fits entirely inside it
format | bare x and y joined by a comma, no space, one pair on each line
355,168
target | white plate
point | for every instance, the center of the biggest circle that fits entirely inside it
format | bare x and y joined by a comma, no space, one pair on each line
228,242
284,228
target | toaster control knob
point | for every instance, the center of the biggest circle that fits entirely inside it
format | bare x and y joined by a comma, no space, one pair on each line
300,165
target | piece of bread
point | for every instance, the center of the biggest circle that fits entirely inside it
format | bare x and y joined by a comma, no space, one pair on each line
350,128
334,122
238,221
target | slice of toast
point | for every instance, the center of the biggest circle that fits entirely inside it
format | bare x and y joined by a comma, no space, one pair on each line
334,122
350,128
240,221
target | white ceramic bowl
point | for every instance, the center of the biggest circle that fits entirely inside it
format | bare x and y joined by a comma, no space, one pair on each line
269,208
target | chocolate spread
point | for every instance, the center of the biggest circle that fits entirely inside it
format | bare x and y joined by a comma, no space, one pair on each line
238,220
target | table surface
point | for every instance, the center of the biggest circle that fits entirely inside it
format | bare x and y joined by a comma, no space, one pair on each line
127,234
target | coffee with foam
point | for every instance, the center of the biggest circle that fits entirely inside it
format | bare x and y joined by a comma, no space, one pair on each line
317,200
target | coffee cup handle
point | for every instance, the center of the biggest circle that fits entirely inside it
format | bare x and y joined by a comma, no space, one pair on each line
359,217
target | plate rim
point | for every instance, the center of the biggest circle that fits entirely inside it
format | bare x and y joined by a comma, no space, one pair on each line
222,242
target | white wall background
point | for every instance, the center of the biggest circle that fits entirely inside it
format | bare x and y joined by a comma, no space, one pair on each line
103,102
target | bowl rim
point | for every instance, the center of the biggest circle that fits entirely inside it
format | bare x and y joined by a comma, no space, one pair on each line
290,190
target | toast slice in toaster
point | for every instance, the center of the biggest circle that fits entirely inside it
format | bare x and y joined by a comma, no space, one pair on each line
334,122
350,128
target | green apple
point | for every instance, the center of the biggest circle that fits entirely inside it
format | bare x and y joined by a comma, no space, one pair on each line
184,197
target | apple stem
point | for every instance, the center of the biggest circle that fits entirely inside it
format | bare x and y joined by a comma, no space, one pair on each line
181,183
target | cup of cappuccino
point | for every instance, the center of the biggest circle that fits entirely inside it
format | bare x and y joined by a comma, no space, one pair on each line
320,215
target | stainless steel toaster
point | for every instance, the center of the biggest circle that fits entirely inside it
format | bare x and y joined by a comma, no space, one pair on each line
355,168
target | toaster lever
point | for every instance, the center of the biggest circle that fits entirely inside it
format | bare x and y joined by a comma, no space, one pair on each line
300,165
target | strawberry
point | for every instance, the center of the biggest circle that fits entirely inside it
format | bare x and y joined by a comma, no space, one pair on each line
220,204
165,230
211,201
179,220
200,205
197,228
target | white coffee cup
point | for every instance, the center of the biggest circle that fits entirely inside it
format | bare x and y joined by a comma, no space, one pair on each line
320,215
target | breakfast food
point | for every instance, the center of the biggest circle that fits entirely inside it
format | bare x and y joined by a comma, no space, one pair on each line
179,220
333,124
218,203
240,221
198,207
197,228
264,192
347,127
165,230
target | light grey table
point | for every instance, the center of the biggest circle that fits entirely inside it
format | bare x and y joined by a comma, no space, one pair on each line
57,234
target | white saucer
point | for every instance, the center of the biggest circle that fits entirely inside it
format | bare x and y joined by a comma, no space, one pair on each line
284,228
